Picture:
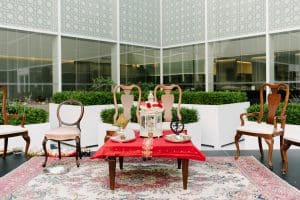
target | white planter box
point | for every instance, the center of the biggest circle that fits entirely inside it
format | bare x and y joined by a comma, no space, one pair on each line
218,123
90,122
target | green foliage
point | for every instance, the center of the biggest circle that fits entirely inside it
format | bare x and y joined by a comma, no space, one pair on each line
292,110
188,115
102,98
86,97
32,115
213,98
103,84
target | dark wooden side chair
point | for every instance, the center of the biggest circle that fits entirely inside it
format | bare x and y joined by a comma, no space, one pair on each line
168,101
66,131
7,131
291,137
268,129
127,100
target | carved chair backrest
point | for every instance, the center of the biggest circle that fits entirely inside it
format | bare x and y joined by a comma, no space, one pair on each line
77,120
4,97
127,100
168,100
274,99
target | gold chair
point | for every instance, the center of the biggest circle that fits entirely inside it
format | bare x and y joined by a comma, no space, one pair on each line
269,129
66,131
127,100
7,131
168,101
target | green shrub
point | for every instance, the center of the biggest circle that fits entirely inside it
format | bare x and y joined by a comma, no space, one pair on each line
188,115
32,115
292,110
102,98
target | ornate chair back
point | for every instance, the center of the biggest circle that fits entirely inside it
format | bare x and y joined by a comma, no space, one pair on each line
168,100
127,100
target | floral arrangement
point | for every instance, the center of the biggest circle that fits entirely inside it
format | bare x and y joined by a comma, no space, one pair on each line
155,106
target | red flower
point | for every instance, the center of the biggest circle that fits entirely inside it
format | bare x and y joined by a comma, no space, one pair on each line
148,105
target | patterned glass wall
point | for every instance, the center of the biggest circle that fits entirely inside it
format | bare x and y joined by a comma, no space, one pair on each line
92,18
284,14
33,14
232,18
140,21
183,21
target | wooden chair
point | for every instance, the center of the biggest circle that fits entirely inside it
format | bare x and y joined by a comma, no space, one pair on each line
269,129
168,101
7,131
66,131
127,100
291,137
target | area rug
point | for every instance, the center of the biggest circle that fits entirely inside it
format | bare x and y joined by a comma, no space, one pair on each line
217,178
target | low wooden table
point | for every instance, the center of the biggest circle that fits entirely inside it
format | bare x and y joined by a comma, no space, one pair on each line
149,147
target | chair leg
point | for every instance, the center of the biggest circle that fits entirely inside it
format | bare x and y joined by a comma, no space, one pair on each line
121,160
80,153
5,147
281,143
178,163
270,142
59,150
285,146
260,148
77,150
45,150
27,140
236,141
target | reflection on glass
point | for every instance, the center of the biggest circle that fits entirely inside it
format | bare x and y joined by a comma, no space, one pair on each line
185,66
239,64
26,64
139,65
83,61
287,60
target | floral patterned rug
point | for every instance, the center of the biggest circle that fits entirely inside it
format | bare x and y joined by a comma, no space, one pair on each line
217,178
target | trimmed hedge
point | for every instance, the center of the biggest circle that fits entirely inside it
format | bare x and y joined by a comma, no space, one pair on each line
188,115
32,115
188,97
293,112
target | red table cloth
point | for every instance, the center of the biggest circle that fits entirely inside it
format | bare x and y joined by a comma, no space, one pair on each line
150,147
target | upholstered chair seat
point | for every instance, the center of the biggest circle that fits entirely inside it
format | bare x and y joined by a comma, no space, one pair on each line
11,129
261,128
63,133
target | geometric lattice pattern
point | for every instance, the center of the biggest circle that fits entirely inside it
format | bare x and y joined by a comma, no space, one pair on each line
233,18
140,21
92,18
34,14
183,21
284,14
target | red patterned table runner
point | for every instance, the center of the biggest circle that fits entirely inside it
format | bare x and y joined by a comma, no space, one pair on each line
150,147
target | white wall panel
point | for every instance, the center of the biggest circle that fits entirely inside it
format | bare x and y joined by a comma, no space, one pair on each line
232,18
91,18
183,21
140,22
29,14
284,14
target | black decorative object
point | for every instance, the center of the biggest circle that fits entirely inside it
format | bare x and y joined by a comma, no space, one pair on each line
177,127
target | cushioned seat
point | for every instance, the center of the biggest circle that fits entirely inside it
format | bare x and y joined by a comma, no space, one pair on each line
10,129
292,136
261,128
63,133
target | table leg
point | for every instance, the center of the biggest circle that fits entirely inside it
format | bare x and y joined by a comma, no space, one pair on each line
185,172
112,172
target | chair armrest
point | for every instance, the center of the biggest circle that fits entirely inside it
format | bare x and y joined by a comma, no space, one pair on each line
254,114
282,120
22,117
